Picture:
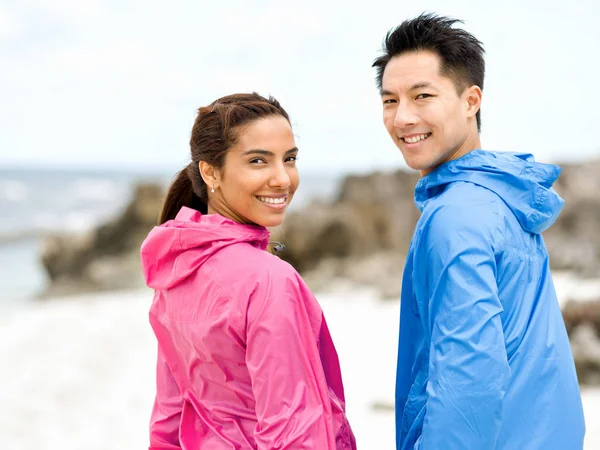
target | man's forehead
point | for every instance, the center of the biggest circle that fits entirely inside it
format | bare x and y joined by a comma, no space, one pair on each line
413,63
412,71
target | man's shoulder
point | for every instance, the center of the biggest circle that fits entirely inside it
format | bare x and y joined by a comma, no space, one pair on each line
463,212
467,193
464,203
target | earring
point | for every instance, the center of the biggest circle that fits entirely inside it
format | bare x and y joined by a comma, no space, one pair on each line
213,190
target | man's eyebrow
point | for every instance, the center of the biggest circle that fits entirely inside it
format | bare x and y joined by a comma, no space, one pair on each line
420,85
423,84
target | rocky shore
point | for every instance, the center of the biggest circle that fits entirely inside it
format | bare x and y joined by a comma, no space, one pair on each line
360,237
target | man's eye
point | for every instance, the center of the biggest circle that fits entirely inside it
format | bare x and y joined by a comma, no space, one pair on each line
423,96
389,101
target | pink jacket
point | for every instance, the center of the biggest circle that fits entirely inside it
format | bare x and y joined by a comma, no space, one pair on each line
245,359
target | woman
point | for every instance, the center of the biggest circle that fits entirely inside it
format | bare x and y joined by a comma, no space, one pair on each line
245,359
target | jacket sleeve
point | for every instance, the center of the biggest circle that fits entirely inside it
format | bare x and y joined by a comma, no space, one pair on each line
468,366
288,382
166,413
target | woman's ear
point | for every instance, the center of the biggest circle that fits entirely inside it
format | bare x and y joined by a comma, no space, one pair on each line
209,174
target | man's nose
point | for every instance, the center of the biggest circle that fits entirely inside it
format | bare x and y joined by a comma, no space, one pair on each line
405,116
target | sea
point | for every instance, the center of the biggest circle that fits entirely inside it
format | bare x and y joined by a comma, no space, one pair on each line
36,203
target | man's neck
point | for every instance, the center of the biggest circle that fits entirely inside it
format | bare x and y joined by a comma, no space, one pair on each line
473,142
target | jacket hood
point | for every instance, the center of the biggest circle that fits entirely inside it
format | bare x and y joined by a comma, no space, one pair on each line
524,185
176,249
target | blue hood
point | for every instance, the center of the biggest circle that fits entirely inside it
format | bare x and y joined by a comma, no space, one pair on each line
524,185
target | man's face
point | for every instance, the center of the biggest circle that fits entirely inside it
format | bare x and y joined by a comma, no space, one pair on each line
424,114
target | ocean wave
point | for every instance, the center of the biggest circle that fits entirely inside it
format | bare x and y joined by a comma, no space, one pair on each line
13,191
96,189
45,223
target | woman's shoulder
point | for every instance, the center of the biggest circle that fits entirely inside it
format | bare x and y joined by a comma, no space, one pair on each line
252,264
252,278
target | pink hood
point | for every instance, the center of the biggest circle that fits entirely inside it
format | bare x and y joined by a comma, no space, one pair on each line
166,260
245,359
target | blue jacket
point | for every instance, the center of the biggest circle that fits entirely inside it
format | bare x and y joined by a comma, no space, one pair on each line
484,360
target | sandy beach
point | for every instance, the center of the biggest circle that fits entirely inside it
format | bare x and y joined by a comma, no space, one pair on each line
78,373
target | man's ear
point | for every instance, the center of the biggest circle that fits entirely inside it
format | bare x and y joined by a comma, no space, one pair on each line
473,97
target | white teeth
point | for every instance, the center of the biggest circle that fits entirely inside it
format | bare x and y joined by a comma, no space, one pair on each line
274,201
412,140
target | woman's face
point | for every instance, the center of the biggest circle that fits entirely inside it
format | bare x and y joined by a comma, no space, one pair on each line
258,180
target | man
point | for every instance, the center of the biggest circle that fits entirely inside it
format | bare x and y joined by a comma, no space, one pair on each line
484,360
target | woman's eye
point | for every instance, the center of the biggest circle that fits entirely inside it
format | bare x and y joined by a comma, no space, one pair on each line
291,159
257,161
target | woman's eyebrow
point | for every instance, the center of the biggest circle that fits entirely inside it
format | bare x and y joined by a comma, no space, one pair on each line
258,151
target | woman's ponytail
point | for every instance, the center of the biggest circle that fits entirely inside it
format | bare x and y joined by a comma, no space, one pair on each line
181,193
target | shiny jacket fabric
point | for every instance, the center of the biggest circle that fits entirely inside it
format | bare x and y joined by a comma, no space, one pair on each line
245,359
484,360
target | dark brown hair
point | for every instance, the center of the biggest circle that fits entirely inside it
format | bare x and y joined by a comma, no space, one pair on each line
216,129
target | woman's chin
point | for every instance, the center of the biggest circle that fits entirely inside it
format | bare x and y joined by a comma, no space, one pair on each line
270,222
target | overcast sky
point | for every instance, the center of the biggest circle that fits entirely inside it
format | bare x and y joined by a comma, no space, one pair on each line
117,83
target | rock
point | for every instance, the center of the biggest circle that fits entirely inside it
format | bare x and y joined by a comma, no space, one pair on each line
362,235
579,312
106,258
585,345
64,254
383,406
574,240
325,231
392,193
382,270
582,320
376,213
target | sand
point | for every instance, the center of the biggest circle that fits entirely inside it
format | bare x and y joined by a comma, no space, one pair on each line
78,373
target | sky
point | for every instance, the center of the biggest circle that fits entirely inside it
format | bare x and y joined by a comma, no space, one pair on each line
99,83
